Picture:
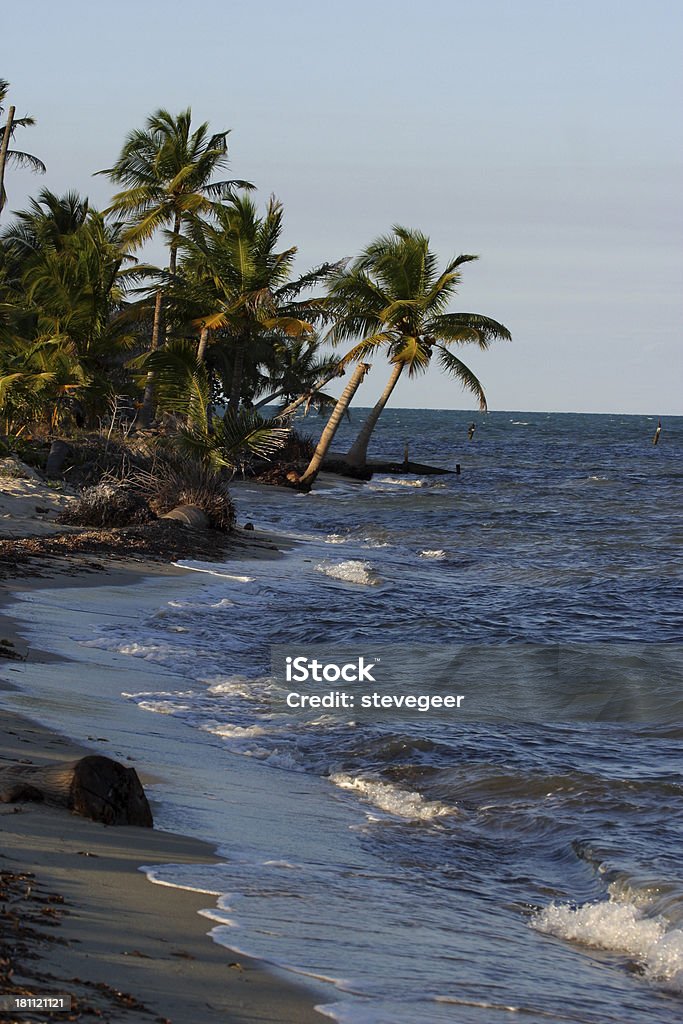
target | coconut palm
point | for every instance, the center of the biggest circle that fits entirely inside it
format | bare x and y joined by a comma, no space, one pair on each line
239,285
295,368
66,326
184,389
14,156
394,297
167,170
309,476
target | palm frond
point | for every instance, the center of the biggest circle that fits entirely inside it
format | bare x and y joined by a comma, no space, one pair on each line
467,328
20,159
456,368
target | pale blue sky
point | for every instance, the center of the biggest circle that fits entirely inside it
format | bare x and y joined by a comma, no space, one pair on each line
544,136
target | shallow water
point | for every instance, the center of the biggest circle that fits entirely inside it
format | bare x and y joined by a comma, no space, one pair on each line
464,868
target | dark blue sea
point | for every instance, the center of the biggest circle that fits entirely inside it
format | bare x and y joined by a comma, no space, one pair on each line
522,861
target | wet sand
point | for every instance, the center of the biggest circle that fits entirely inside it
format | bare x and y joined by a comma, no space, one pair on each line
119,944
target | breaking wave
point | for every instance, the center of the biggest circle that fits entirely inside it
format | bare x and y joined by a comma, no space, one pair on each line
401,802
351,571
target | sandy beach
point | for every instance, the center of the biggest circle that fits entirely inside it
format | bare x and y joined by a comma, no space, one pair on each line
80,917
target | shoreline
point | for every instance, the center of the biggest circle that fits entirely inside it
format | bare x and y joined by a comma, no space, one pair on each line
157,951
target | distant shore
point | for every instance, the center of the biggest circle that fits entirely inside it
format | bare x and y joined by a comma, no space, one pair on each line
140,950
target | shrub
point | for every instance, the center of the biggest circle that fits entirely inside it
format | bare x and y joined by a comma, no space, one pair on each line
178,481
109,503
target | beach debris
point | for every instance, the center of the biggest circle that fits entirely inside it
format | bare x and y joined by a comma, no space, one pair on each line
9,651
94,787
108,503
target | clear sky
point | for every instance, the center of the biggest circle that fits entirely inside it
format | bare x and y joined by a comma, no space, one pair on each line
543,135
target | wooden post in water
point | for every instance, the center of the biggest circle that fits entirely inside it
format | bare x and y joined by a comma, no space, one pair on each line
655,439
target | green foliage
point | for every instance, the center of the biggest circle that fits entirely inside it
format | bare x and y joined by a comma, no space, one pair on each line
65,324
183,389
85,328
166,169
236,284
394,297
175,480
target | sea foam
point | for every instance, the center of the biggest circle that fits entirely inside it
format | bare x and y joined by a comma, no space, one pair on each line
384,795
620,927
351,571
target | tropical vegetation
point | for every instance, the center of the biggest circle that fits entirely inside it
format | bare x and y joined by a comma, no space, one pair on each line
396,300
188,356
13,156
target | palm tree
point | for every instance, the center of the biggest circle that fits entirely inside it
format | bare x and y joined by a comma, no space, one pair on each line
308,478
167,170
394,297
184,388
67,325
295,369
238,279
14,156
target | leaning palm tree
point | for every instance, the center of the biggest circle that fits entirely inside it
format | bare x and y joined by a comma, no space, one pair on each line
395,299
309,476
167,170
14,156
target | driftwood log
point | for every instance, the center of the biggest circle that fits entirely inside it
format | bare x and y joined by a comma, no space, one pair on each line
189,515
94,787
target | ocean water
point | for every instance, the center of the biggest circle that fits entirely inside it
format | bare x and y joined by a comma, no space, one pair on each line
522,865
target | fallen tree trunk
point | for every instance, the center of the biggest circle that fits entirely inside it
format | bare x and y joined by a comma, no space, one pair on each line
94,787
338,464
189,515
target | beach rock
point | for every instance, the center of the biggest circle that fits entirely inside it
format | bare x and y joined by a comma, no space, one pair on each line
59,450
94,787
189,515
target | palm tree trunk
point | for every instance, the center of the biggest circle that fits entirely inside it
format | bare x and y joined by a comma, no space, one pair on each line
237,374
147,411
293,406
173,248
3,153
358,453
327,436
203,345
269,398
